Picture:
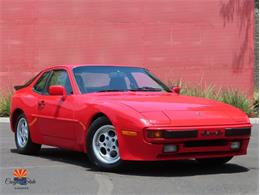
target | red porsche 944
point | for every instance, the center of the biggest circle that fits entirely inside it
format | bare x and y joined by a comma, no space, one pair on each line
123,113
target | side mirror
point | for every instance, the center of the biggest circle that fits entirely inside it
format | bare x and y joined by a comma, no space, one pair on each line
57,90
176,89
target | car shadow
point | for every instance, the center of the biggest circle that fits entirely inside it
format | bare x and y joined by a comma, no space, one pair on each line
179,168
62,155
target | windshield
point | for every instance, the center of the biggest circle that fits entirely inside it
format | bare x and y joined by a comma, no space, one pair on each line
113,78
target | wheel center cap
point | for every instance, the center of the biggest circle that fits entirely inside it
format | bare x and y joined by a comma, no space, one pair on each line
109,144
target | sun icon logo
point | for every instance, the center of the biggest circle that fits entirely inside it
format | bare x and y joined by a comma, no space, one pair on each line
20,176
20,173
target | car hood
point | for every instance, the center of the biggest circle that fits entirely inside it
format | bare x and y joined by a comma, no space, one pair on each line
178,110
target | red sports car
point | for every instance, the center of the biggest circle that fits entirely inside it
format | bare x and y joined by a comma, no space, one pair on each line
118,113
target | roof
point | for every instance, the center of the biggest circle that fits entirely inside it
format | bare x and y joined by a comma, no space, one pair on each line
78,65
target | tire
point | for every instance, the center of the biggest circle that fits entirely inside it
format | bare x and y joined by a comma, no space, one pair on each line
214,161
102,145
23,141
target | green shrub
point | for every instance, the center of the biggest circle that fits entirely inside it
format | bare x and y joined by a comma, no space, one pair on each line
228,96
235,98
5,101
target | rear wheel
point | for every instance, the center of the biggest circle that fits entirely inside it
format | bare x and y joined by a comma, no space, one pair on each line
214,161
23,140
102,145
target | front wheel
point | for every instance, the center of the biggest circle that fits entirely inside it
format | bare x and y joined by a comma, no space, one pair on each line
23,141
214,161
102,145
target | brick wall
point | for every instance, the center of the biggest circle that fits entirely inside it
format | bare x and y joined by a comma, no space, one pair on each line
256,64
209,41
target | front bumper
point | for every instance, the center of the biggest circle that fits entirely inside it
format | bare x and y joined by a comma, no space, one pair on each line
209,142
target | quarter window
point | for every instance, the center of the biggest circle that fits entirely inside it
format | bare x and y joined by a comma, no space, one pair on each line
40,85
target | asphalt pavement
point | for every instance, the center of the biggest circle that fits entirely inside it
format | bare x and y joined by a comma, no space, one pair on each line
57,171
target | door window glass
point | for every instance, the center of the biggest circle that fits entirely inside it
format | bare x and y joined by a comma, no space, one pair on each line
60,77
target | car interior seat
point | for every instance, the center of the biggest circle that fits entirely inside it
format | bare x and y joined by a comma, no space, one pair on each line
117,83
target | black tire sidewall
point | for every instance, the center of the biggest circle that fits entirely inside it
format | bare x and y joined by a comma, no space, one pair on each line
99,122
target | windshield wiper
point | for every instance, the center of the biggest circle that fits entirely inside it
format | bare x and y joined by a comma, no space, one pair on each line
135,89
146,89
110,90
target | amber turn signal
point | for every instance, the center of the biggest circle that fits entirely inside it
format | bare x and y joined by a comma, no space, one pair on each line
128,133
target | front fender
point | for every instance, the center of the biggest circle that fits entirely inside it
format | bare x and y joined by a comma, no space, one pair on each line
122,117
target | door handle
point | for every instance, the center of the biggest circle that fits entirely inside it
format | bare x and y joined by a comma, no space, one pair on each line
41,103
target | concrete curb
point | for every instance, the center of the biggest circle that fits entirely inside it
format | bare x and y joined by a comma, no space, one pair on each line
254,120
6,120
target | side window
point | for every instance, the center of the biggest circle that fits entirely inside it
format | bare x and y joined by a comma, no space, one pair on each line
40,85
60,77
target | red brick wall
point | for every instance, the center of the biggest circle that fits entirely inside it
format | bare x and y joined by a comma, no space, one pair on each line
191,40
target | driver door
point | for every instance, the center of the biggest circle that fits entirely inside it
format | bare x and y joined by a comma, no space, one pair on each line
56,114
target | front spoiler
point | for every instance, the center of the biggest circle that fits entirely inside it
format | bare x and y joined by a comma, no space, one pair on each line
139,148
